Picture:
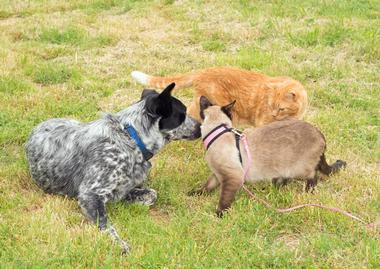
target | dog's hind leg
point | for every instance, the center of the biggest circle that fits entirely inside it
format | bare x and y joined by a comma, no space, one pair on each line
93,207
211,184
141,195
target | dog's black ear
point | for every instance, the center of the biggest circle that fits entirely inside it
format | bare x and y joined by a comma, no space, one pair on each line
147,92
227,109
167,92
164,106
203,103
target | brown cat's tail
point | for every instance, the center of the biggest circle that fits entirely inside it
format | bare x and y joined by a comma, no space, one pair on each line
181,81
327,169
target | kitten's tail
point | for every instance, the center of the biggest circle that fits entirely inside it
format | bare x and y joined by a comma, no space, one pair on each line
181,81
327,169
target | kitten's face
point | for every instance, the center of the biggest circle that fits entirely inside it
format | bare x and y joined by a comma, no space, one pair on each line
212,114
286,104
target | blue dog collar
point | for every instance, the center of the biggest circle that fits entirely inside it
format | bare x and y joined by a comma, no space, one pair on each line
133,134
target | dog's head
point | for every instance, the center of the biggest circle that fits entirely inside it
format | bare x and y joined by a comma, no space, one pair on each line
171,114
215,115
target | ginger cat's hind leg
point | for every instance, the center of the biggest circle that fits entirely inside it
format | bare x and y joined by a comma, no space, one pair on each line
194,110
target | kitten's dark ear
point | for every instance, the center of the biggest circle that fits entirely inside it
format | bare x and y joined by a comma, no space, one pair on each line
164,100
228,109
147,92
291,95
203,103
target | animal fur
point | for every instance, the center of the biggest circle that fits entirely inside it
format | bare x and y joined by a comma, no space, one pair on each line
280,151
98,162
260,99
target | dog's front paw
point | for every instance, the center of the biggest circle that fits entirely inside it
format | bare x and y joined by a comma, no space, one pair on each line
149,198
142,196
125,248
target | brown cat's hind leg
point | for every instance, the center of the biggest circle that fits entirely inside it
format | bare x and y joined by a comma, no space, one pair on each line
211,184
230,185
280,182
311,183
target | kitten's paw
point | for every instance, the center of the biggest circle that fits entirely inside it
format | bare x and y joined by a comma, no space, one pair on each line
310,184
220,213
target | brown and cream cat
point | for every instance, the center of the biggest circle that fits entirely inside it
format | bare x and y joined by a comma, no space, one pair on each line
282,150
260,99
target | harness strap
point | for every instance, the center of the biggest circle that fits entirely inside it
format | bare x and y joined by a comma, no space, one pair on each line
215,134
237,140
249,157
239,136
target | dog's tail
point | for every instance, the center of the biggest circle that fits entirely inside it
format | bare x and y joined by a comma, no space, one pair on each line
327,169
181,81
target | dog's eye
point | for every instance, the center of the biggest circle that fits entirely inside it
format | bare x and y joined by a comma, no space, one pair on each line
281,109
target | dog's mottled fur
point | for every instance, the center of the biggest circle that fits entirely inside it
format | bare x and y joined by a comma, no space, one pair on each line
280,151
98,162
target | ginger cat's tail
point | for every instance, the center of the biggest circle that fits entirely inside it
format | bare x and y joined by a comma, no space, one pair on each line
181,81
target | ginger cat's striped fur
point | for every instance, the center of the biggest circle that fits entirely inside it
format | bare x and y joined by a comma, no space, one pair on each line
260,99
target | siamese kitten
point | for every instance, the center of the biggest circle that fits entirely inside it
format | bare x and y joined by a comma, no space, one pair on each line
281,150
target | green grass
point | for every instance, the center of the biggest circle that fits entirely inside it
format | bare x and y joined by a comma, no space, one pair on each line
74,36
72,59
50,73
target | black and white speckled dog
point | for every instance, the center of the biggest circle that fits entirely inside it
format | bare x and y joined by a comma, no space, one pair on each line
107,159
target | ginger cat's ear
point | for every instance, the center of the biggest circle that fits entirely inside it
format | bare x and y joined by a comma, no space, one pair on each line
228,109
204,103
291,95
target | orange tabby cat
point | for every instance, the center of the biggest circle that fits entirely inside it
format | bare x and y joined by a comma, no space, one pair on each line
260,99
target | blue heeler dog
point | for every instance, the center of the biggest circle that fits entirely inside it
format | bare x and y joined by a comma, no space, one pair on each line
107,159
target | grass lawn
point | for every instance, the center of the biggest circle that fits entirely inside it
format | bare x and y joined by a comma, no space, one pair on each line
73,59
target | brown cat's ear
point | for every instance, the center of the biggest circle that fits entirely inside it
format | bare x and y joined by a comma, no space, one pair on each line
228,109
291,95
204,103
